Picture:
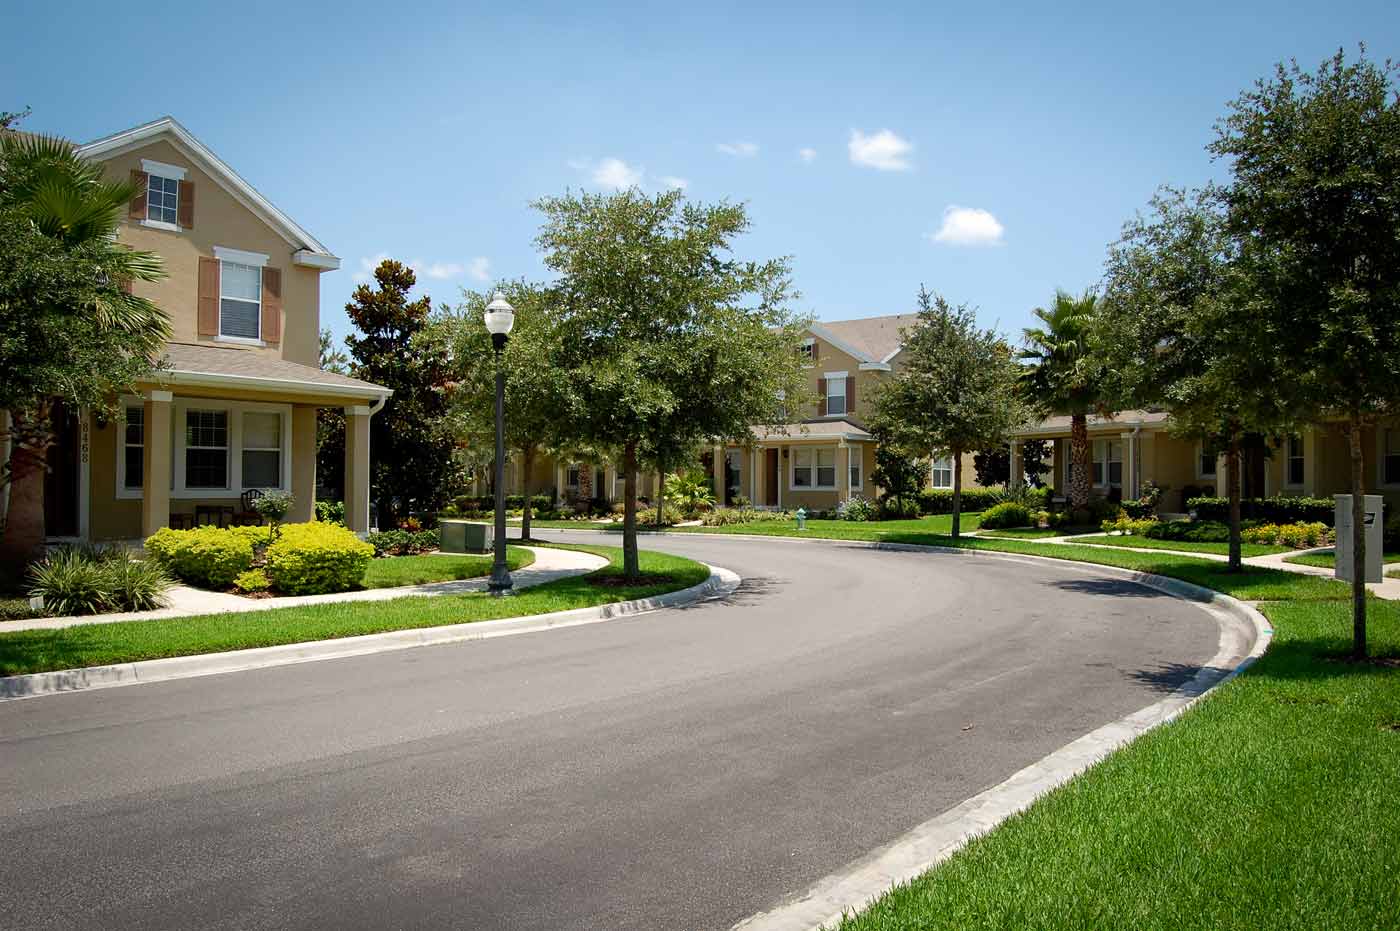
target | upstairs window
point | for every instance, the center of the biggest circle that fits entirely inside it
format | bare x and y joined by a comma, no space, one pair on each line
836,394
162,199
807,352
240,300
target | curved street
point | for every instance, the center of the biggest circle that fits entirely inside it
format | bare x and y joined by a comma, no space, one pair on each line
681,769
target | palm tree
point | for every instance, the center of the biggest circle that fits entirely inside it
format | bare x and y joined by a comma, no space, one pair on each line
66,207
1061,377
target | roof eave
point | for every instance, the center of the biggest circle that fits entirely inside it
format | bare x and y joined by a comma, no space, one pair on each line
262,383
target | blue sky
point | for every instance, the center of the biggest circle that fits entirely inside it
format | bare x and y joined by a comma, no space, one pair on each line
989,151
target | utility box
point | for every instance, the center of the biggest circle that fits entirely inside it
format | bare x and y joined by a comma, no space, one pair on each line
1375,544
465,536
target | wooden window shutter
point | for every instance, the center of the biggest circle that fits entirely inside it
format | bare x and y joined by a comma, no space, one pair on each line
814,350
272,305
136,209
821,397
850,394
186,205
208,296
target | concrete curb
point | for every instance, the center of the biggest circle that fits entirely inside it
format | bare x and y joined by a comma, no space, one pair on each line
721,583
1244,636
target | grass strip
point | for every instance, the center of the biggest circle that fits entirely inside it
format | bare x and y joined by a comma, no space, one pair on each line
1268,806
1328,559
31,651
1186,546
419,570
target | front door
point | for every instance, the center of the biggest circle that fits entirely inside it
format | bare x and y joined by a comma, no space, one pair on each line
61,482
770,479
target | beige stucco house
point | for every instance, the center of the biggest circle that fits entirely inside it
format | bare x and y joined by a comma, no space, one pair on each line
233,407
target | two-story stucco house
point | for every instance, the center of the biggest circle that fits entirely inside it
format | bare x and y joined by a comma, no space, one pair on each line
233,408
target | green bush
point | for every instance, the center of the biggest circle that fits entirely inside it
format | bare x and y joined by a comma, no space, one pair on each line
940,500
331,512
1190,531
207,557
858,509
898,509
1280,509
1129,526
311,559
1298,536
254,580
273,506
724,517
646,517
1006,514
85,581
403,542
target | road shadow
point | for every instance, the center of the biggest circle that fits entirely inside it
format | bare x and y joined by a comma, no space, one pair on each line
752,590
1168,677
1116,588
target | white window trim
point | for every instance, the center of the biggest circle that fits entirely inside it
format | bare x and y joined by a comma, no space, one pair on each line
239,257
845,405
159,225
857,457
1200,454
1380,457
124,493
235,411
1303,455
933,470
792,469
163,170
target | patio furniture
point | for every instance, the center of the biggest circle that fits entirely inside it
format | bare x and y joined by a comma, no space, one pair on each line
181,521
248,516
215,514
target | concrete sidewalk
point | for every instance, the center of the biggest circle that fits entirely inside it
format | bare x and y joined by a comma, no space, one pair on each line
550,564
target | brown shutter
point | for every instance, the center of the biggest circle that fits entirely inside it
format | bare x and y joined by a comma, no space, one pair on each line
208,296
272,305
850,394
136,209
814,350
186,204
821,397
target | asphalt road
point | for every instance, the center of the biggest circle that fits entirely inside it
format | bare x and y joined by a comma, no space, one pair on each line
681,769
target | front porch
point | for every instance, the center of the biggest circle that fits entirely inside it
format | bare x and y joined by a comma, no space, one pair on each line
814,466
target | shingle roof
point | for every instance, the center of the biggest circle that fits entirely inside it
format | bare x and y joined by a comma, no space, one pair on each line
233,363
814,429
874,337
1130,418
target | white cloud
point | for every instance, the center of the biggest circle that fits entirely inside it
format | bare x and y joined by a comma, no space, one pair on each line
739,149
674,183
440,270
968,226
367,266
616,174
807,155
480,268
883,150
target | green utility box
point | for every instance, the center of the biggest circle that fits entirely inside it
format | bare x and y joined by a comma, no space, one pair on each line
465,536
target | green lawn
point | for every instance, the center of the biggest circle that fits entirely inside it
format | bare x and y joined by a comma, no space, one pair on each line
417,570
1186,546
100,644
1033,533
1266,806
1328,560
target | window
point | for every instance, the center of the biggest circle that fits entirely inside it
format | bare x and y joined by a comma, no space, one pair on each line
1294,463
826,468
162,199
262,449
1390,456
801,468
856,454
836,393
1205,462
807,352
943,473
206,449
571,475
240,300
134,447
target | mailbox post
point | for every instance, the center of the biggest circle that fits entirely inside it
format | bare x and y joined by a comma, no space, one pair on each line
1346,558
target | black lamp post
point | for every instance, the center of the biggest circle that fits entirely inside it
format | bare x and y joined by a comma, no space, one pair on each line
500,317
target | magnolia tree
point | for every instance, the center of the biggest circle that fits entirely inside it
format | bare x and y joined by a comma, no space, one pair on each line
1314,201
957,391
665,339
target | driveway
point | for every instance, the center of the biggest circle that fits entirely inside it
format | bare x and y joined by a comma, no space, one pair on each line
681,769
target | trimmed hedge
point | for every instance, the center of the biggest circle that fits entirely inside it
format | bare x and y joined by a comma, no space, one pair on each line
1192,531
208,557
1280,509
315,558
940,500
1006,514
403,542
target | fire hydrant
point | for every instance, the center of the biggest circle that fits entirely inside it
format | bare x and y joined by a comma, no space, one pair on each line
801,518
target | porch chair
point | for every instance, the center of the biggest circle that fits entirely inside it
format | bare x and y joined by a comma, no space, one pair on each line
248,516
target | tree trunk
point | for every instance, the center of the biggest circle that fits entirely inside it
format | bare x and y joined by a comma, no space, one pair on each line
24,519
1078,461
527,460
1232,490
661,495
1358,540
630,565
957,491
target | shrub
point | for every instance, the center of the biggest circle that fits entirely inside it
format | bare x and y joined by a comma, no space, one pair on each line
85,581
254,580
1129,526
1297,536
858,509
209,557
273,507
940,500
1147,501
1190,531
311,559
895,509
1280,509
331,512
646,517
403,542
255,534
1006,514
1033,498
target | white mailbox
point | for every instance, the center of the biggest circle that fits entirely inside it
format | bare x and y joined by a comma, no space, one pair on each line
1346,559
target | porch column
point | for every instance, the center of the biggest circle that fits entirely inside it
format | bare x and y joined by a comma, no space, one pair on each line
718,470
357,468
1018,468
155,462
753,476
1222,477
303,453
1130,482
847,447
782,474
1310,447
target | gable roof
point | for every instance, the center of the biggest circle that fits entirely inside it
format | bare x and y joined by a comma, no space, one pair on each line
310,249
235,367
869,339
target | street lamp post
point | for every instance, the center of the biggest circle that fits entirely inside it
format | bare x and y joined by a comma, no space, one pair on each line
500,317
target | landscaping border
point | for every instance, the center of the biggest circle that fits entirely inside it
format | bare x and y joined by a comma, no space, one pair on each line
855,887
722,582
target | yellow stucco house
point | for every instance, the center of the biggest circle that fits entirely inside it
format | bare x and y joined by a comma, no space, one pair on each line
233,407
